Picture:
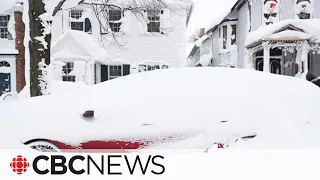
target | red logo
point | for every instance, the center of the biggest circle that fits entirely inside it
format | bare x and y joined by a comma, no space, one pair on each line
19,164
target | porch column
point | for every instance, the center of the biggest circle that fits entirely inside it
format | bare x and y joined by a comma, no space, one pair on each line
266,57
304,58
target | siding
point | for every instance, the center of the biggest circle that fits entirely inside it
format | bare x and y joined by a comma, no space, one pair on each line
256,14
316,9
286,9
136,47
242,32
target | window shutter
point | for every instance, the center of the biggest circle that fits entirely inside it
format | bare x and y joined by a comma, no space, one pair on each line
87,25
143,22
126,24
126,69
165,21
104,73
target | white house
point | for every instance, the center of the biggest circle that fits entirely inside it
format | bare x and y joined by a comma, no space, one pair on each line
277,36
151,38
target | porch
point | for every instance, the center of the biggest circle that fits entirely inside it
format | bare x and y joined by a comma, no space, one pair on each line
290,58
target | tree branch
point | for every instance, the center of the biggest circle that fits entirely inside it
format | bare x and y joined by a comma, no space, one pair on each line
58,7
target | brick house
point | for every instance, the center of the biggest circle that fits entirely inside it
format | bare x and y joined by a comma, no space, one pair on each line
12,50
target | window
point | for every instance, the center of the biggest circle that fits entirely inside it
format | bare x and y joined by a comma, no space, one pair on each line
224,37
115,71
77,22
228,36
76,14
4,64
67,69
303,9
115,16
4,27
143,68
233,34
154,20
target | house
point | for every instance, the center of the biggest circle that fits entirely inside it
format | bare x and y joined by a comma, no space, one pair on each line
277,36
149,38
12,62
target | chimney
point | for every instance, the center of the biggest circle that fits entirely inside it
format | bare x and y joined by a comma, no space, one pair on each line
202,32
20,58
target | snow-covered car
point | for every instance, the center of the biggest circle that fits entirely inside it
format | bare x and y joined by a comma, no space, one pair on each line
182,108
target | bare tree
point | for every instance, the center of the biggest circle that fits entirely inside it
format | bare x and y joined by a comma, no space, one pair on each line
39,44
40,34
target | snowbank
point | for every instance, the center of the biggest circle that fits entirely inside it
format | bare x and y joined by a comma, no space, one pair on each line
56,88
309,26
192,102
205,60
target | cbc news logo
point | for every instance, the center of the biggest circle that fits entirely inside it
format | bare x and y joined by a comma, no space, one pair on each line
86,164
19,165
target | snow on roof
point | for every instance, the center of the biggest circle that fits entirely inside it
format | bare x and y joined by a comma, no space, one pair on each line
187,101
289,35
6,5
89,46
311,28
216,20
205,60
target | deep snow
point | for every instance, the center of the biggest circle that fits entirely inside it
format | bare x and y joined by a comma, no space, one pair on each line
281,111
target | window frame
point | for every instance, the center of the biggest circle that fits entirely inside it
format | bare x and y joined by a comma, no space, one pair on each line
75,20
66,70
154,20
115,22
4,30
110,77
229,45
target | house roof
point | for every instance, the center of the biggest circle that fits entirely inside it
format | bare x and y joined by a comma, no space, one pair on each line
78,45
292,29
216,21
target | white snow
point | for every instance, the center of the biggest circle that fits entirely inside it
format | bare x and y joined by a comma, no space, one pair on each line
309,26
76,43
205,60
289,34
281,111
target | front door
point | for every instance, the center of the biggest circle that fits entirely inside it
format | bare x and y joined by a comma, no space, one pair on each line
5,81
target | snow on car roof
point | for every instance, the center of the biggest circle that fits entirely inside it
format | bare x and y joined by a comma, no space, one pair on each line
282,111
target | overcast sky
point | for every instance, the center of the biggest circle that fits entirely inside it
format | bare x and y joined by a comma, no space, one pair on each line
205,12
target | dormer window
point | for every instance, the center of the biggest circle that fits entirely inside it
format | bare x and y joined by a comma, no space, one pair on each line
78,22
4,27
228,36
154,20
115,16
303,9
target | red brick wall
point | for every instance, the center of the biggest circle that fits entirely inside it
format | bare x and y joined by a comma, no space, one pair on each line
20,59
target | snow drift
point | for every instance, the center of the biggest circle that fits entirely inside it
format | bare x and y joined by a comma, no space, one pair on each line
281,111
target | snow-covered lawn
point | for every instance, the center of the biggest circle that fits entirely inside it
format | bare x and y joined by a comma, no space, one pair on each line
206,105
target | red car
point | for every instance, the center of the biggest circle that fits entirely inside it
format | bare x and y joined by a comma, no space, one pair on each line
182,108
